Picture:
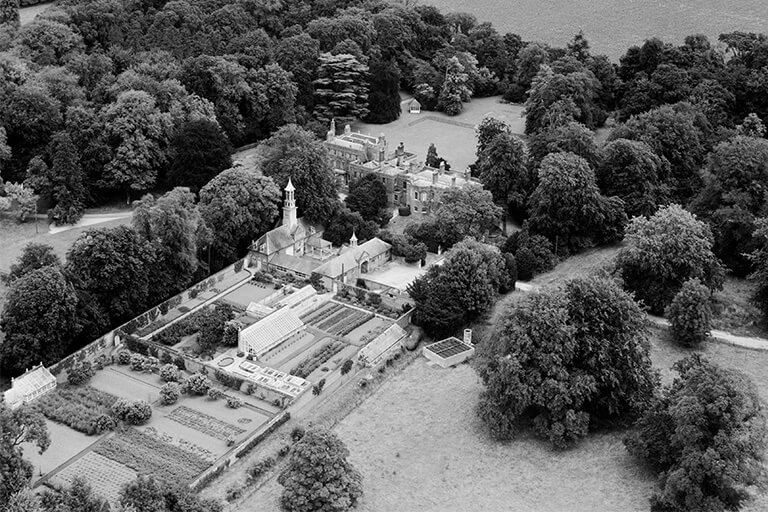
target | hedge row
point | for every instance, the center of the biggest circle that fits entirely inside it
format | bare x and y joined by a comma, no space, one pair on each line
318,358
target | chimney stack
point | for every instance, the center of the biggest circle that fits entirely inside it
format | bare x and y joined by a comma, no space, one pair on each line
442,166
468,336
453,181
435,174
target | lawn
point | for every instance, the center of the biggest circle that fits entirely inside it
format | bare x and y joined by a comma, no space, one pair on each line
611,26
65,444
249,292
124,383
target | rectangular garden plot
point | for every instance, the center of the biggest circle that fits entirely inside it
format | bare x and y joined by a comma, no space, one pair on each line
204,423
104,475
337,319
77,407
149,456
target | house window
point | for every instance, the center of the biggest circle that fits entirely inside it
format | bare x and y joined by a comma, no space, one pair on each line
416,195
395,197
423,209
415,209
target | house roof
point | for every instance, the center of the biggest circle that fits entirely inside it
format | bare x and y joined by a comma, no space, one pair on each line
282,236
350,258
298,296
29,383
414,103
296,264
382,343
262,336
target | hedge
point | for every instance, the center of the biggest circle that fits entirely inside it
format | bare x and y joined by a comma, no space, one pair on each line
243,451
317,359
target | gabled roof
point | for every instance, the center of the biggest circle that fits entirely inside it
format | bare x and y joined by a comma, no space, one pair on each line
28,384
282,236
352,256
262,336
296,264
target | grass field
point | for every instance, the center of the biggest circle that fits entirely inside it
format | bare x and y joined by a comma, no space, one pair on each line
611,26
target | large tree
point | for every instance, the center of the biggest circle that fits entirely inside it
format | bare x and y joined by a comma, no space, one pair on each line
567,206
318,476
460,290
64,180
568,360
9,12
368,196
706,434
238,205
200,152
759,259
38,320
455,90
33,257
17,426
173,226
344,223
468,211
341,88
295,153
138,134
660,253
111,266
632,171
384,96
503,168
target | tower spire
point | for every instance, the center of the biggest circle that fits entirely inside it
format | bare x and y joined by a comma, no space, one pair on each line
289,206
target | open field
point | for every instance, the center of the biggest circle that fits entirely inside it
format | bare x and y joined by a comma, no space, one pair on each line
454,136
611,26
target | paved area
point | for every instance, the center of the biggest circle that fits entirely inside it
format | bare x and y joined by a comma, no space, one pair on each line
89,220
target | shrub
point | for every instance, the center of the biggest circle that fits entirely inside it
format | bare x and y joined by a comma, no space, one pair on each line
690,314
346,367
260,467
152,365
103,423
318,388
284,450
138,363
134,412
297,433
170,373
234,402
374,299
80,373
229,338
198,384
228,380
234,492
170,393
124,357
78,407
180,363
215,393
317,359
403,211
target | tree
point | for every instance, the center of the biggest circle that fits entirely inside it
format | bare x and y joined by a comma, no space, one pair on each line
567,206
318,476
468,211
460,290
384,96
759,259
706,434
25,500
341,88
567,360
571,137
38,320
78,497
752,126
344,223
487,130
23,424
67,181
9,12
434,160
294,153
33,257
47,42
368,196
80,373
138,135
527,65
690,314
631,171
174,228
678,133
19,198
662,252
455,90
238,205
212,321
109,266
145,494
200,152
502,167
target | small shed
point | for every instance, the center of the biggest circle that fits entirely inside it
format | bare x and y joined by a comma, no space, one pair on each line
449,352
414,107
26,388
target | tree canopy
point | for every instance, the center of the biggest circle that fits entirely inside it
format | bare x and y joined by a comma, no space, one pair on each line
368,196
200,152
568,360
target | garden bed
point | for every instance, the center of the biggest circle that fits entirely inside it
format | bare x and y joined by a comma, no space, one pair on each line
149,456
204,423
318,358
78,407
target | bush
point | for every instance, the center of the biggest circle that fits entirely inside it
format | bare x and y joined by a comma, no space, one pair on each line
234,492
138,363
198,384
180,363
317,359
152,365
260,467
297,433
215,393
346,367
228,380
170,373
124,357
284,450
170,393
318,388
80,373
403,211
134,412
78,407
234,402
230,336
690,314
103,423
